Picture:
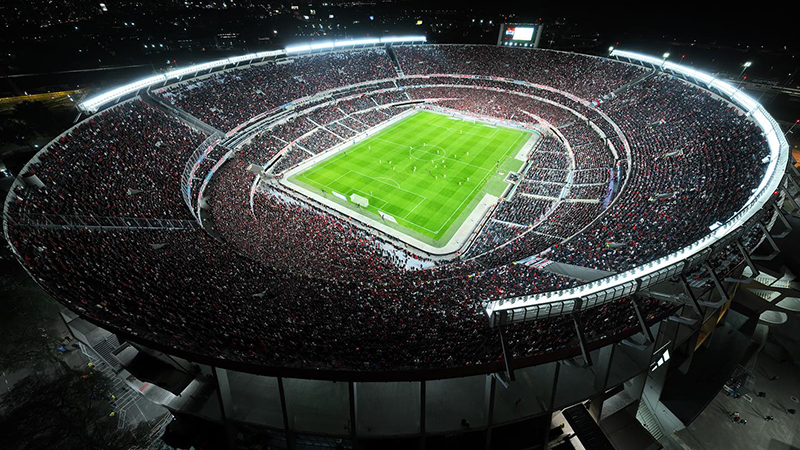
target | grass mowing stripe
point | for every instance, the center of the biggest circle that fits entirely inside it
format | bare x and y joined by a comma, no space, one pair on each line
423,170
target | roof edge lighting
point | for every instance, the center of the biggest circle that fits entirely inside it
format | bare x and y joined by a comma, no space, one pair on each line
778,159
94,104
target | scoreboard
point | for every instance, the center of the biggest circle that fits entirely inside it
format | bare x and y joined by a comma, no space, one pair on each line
519,35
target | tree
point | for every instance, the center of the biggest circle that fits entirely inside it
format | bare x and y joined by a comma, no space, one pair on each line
63,408
35,114
55,406
27,340
14,130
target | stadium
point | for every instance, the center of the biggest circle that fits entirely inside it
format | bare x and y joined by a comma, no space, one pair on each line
376,240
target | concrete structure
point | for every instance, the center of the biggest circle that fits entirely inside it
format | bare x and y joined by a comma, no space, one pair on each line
617,380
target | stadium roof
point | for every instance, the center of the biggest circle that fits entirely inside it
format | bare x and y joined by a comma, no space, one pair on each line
93,104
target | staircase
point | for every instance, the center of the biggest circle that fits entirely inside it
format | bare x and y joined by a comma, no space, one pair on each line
124,397
634,82
171,110
648,421
394,59
105,349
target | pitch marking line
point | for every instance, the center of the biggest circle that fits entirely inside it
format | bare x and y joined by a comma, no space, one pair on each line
456,211
387,178
444,157
398,187
364,194
330,188
421,201
422,198
412,210
479,185
436,155
454,130
330,185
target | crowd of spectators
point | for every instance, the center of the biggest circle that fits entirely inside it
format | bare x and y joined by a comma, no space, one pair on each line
375,117
227,99
354,124
591,176
695,162
319,141
126,161
264,146
325,115
291,157
587,192
294,284
551,160
579,134
585,76
306,134
569,217
343,250
340,130
594,155
356,104
523,210
540,189
224,306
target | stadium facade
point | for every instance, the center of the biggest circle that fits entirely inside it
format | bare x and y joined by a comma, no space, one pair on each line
562,295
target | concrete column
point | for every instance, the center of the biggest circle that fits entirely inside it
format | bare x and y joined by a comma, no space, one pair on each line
422,415
225,404
552,400
491,387
636,386
288,423
353,412
602,369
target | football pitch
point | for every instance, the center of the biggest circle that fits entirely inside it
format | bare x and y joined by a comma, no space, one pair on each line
428,171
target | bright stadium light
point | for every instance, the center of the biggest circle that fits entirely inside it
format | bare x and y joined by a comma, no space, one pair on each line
93,104
665,55
238,59
395,39
354,42
178,73
741,74
297,48
269,54
321,45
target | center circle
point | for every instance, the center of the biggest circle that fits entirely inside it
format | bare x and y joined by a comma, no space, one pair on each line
427,153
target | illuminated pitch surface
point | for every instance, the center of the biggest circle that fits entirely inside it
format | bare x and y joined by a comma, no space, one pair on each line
428,170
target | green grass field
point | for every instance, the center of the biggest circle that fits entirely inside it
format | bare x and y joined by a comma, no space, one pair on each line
428,171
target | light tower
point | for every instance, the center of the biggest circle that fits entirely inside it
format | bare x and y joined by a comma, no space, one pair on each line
741,74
